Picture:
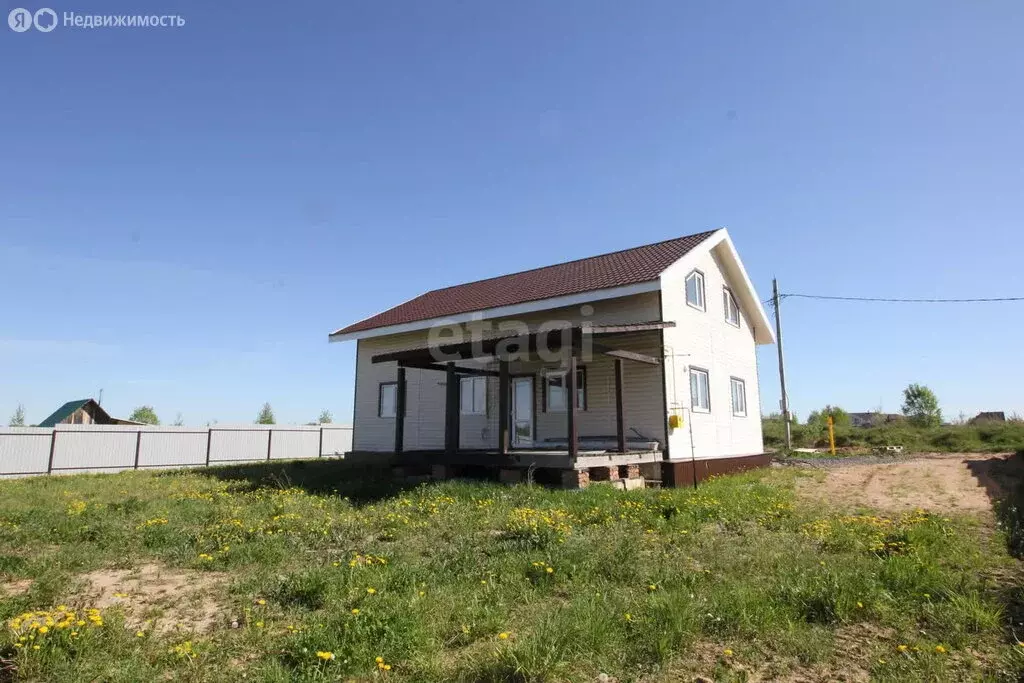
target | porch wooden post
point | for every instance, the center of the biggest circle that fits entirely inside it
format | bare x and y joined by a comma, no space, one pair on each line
399,411
451,411
620,417
504,394
570,381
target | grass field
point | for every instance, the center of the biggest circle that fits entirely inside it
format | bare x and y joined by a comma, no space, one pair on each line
283,573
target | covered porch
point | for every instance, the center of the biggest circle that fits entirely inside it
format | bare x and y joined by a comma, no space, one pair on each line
605,363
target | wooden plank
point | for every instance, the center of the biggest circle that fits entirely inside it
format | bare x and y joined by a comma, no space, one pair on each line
630,327
476,372
504,409
620,417
627,355
399,411
573,434
451,411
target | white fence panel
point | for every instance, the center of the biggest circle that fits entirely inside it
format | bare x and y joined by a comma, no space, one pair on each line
108,448
231,445
104,448
175,448
295,444
337,440
24,450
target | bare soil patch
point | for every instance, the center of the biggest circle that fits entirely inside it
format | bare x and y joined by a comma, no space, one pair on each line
158,598
955,482
17,587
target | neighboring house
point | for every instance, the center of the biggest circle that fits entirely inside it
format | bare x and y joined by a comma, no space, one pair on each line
84,411
658,341
994,416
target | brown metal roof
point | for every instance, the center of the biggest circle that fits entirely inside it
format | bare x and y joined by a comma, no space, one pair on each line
620,268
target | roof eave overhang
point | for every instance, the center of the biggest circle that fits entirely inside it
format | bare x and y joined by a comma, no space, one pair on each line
501,311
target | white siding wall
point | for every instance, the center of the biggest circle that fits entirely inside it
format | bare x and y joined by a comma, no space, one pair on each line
424,421
704,339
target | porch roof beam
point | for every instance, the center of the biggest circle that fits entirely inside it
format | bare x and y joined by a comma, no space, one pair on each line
627,355
530,343
440,367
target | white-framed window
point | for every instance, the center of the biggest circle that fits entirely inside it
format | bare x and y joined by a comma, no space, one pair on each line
387,399
473,396
695,289
555,396
700,390
732,309
739,396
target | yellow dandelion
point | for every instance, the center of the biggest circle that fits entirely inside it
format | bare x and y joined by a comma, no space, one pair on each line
379,660
550,570
43,629
902,648
371,591
727,652
941,650
355,610
503,635
140,634
860,605
325,656
261,601
627,616
259,624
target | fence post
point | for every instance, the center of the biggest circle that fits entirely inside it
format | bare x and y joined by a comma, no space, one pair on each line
270,437
53,447
209,437
320,448
138,444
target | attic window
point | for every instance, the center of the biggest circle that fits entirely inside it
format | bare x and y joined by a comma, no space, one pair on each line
732,309
695,289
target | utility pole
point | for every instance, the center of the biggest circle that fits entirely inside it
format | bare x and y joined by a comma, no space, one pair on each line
782,364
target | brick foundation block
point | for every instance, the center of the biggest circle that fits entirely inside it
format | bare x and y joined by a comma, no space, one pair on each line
608,473
575,479
632,471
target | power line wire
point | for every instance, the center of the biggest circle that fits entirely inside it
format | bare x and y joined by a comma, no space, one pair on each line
904,301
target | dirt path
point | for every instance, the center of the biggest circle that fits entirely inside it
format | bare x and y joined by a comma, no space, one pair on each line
954,482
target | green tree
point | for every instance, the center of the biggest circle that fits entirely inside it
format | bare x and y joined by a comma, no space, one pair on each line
266,416
144,414
921,406
325,418
18,419
819,418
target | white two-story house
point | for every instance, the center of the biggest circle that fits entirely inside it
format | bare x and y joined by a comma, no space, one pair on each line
641,360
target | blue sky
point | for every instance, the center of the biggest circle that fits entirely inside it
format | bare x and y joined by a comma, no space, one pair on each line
185,213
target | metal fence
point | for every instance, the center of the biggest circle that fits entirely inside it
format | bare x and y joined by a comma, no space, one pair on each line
108,448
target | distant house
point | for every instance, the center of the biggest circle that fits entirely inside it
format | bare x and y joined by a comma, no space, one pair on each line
84,411
994,416
872,419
